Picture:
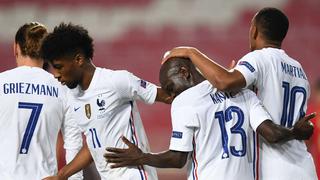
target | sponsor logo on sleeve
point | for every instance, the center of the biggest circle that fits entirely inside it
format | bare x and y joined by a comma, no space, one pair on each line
177,134
247,65
143,83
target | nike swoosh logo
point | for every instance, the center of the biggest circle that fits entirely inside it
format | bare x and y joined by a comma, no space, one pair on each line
76,109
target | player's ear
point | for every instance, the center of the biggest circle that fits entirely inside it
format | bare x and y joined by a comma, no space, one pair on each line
185,72
255,32
79,59
15,49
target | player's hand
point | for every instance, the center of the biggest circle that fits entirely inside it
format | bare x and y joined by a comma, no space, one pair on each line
303,129
54,178
167,99
124,157
182,51
162,96
232,64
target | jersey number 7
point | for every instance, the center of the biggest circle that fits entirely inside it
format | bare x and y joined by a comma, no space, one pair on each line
32,122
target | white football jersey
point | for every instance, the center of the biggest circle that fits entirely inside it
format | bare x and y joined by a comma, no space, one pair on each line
33,108
283,88
106,111
217,128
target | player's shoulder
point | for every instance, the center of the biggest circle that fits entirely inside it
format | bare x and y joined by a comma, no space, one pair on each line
26,73
11,72
252,55
293,61
259,54
192,95
113,75
287,60
251,60
265,57
108,79
4,75
247,93
103,78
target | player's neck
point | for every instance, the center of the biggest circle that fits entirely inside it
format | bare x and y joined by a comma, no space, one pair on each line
272,45
27,61
268,44
198,78
88,70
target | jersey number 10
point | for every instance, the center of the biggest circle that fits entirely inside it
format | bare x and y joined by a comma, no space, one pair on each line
289,99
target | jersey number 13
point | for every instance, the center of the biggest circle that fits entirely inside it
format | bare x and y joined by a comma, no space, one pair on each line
224,117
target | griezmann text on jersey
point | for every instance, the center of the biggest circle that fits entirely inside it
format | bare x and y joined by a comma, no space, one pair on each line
30,88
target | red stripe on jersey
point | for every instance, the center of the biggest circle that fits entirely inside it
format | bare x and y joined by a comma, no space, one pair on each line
136,140
255,89
258,158
195,162
144,172
133,128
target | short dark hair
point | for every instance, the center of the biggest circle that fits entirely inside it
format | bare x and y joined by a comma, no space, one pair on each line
29,38
175,63
67,40
272,23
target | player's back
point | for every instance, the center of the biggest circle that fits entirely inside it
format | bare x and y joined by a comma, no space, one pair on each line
284,90
222,147
31,113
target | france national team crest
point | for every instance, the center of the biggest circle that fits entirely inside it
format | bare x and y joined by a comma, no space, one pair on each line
102,106
88,110
101,103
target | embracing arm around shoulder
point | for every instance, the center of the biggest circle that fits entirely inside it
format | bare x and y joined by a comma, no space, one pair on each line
216,74
262,123
133,156
273,133
167,159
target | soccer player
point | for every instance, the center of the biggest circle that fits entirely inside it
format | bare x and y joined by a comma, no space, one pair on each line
280,83
103,102
33,109
214,127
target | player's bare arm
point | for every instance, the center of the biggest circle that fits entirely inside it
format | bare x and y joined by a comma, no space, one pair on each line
273,133
162,96
216,74
133,156
82,160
